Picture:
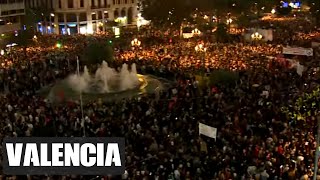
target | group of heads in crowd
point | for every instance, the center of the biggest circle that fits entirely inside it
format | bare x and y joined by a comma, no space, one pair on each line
255,140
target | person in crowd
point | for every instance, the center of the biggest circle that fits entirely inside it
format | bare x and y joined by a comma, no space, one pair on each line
256,139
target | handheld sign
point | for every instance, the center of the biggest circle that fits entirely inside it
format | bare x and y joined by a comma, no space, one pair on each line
63,156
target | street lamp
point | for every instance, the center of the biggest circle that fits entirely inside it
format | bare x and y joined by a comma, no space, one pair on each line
135,43
273,11
229,21
201,49
256,36
196,31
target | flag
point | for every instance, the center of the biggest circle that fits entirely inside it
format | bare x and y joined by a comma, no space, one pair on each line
207,130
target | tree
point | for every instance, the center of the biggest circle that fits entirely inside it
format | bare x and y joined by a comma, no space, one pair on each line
166,12
283,10
218,8
96,52
23,38
267,6
36,15
221,33
243,21
304,106
5,39
315,11
223,7
223,77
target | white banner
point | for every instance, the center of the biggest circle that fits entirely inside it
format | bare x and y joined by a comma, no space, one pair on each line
298,51
207,130
187,35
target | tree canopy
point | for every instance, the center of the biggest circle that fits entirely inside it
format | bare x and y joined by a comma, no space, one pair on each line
223,77
221,33
166,11
222,7
35,15
96,52
284,10
174,11
24,37
315,10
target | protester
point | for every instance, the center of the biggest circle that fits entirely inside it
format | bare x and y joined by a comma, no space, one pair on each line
256,139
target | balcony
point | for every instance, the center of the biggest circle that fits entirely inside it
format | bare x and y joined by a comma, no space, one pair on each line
100,6
9,28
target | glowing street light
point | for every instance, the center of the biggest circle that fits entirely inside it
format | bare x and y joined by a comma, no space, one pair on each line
196,31
229,21
135,42
273,11
200,48
256,36
58,45
100,24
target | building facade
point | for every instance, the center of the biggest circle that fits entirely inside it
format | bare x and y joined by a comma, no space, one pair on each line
91,16
42,10
11,15
34,4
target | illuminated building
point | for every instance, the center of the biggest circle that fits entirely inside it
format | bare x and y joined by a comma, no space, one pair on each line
90,16
11,13
292,4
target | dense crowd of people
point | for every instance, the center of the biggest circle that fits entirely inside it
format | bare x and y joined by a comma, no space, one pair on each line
256,139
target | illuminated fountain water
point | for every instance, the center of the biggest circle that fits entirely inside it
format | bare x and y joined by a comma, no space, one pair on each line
106,80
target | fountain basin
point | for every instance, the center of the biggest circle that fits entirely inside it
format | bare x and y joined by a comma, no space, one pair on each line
105,79
61,91
114,86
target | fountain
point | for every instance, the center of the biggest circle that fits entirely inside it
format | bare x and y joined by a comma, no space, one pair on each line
106,80
105,84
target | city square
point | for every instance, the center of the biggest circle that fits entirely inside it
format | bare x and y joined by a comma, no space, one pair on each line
200,90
